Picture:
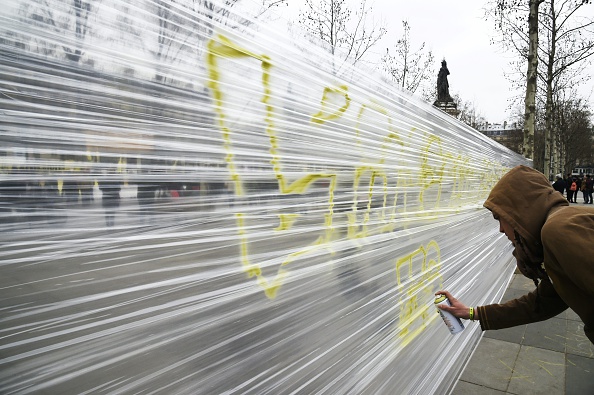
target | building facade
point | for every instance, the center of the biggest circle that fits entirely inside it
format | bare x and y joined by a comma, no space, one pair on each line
506,134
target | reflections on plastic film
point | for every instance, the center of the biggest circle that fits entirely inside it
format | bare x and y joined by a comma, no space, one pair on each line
52,166
324,114
432,169
224,48
418,278
427,181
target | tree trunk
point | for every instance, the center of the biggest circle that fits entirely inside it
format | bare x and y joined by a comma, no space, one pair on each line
548,133
530,102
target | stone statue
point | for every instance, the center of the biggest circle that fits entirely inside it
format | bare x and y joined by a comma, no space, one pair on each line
443,87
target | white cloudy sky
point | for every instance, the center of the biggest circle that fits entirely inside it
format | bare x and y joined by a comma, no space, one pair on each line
456,31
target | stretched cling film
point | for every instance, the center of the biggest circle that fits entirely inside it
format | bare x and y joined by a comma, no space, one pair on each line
196,202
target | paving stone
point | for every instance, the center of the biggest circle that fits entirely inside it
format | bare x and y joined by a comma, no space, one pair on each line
579,375
491,364
512,293
522,283
465,388
577,342
571,315
511,335
550,334
538,371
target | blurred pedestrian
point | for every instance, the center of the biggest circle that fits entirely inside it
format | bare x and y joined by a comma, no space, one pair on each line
559,184
588,190
584,189
571,188
578,181
110,198
146,198
86,183
70,189
552,246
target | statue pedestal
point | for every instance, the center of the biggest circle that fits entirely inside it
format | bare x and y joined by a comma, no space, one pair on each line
449,107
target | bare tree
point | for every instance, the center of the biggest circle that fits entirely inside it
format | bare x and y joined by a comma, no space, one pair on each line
510,16
176,33
346,32
68,19
556,43
574,118
178,29
266,5
569,43
531,76
407,67
469,114
214,11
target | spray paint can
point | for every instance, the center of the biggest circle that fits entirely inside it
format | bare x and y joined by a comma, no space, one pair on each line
453,323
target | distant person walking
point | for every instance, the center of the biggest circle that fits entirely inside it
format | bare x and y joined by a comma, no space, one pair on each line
588,189
86,183
583,188
559,184
110,199
571,188
146,198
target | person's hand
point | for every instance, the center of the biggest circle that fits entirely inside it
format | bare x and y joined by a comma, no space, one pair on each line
457,308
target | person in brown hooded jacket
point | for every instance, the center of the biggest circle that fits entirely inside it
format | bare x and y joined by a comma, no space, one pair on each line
553,247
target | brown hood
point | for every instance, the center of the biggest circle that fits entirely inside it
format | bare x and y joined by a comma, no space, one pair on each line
524,198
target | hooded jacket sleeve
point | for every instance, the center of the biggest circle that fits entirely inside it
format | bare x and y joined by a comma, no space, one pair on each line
523,310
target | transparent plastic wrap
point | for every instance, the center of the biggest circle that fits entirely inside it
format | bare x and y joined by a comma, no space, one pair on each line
193,202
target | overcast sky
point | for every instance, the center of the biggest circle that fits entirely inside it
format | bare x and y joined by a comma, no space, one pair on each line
456,31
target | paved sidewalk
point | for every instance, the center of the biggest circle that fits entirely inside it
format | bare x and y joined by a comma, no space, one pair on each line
552,357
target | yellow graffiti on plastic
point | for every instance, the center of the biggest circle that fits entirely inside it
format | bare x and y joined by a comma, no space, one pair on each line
431,176
417,290
286,221
271,287
224,48
322,116
461,172
359,222
392,135
355,228
250,269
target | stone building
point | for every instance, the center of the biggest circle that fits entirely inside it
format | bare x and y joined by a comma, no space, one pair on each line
507,134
